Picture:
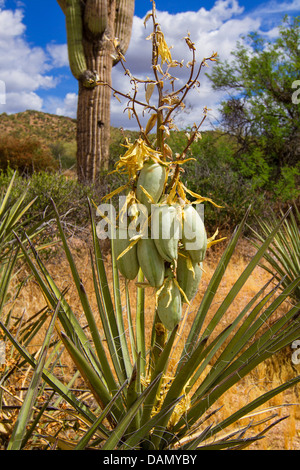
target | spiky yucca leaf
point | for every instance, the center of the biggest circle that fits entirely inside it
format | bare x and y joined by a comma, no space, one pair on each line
19,431
283,256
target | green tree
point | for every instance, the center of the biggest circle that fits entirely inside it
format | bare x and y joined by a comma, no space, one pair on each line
94,29
262,109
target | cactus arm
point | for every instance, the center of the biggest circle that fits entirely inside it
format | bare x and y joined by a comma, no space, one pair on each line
75,44
74,38
123,23
95,17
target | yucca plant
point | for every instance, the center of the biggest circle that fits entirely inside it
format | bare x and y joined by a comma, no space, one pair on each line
283,256
138,398
139,402
14,217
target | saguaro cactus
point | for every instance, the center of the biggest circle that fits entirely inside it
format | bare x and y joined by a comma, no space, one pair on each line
92,26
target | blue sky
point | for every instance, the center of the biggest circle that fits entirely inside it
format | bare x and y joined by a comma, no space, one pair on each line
37,12
33,55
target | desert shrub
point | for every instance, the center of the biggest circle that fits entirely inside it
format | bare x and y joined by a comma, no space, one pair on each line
64,153
235,179
25,155
287,187
215,173
69,195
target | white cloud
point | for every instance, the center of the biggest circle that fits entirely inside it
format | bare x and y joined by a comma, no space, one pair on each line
58,54
10,24
23,68
67,107
214,30
21,101
274,7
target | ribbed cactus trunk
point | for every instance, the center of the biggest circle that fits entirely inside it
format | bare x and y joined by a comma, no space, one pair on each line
93,114
92,26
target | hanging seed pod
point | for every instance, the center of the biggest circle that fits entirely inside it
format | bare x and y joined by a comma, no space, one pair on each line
128,264
188,275
169,304
150,181
165,226
194,236
151,262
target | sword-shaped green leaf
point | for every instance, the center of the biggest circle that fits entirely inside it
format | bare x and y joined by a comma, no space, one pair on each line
19,430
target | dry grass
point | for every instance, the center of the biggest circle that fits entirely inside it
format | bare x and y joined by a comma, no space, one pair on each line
280,368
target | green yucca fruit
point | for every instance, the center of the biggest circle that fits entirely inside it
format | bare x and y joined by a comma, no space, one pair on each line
166,230
194,237
169,304
151,262
128,264
188,275
152,179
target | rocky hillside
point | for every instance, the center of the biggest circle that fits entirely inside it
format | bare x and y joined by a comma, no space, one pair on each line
47,128
56,134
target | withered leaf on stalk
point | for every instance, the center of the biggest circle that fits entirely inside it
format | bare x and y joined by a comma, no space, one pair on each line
149,91
151,123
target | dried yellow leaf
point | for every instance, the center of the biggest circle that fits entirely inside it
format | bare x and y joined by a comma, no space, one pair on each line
116,191
162,48
128,248
151,123
181,291
211,241
199,199
148,16
149,90
136,155
167,150
148,195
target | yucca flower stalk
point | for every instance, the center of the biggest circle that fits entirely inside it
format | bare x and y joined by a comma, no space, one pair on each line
140,399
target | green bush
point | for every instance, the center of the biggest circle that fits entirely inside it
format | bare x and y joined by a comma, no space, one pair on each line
215,174
64,153
69,195
287,188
